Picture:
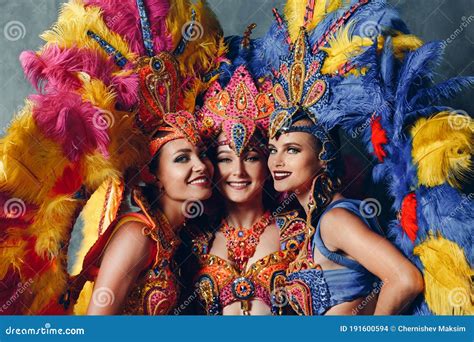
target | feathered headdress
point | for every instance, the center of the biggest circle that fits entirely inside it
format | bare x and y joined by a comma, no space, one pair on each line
314,69
425,153
378,82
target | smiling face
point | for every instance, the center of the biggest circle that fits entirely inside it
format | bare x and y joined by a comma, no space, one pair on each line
184,171
294,161
240,179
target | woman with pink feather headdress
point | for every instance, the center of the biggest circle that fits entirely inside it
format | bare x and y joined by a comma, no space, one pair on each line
117,88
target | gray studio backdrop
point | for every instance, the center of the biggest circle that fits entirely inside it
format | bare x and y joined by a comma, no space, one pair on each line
21,22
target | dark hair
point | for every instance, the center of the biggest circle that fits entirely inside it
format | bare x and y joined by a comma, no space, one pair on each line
335,165
149,190
329,182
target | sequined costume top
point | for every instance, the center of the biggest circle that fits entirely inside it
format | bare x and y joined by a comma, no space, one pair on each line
155,292
221,284
312,290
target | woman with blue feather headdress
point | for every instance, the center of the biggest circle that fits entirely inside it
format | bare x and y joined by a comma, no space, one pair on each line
346,265
365,73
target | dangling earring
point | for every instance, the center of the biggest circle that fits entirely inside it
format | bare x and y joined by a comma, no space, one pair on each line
323,190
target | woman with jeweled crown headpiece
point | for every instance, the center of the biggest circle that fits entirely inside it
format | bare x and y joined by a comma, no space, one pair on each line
240,262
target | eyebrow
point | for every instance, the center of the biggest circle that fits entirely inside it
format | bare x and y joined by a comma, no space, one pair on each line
288,144
186,150
225,151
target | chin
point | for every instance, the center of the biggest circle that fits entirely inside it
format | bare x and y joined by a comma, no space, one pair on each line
282,186
236,198
200,195
239,196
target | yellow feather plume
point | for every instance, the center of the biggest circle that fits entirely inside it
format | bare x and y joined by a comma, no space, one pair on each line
53,224
202,51
97,169
128,146
295,11
342,48
447,274
97,93
442,148
71,30
30,162
401,44
12,250
49,285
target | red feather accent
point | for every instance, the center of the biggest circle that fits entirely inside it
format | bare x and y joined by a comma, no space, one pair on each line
34,264
408,218
69,182
379,138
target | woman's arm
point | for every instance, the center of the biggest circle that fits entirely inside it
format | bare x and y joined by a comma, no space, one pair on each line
124,258
402,282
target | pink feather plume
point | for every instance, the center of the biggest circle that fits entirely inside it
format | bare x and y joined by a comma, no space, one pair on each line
77,126
55,70
125,20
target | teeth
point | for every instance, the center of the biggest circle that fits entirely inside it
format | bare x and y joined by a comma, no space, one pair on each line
199,181
282,174
239,184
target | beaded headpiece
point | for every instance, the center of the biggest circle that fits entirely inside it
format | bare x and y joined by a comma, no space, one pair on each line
301,92
161,113
238,110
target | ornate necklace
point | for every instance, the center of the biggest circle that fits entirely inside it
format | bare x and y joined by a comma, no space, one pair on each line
242,242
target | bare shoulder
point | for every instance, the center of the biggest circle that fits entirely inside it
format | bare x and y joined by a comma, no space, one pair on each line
129,241
339,218
132,231
339,224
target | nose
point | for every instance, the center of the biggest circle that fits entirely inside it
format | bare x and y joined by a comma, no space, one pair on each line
239,169
199,166
276,160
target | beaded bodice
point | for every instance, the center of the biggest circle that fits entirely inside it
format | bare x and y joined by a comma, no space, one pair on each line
220,283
